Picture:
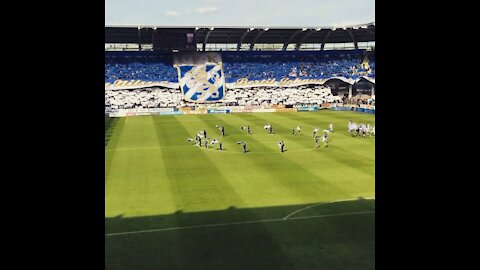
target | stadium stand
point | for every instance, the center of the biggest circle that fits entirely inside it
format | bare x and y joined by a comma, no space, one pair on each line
139,71
143,78
160,97
298,96
304,65
143,66
148,66
156,97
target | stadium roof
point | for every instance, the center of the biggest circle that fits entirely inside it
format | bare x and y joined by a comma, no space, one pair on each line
249,35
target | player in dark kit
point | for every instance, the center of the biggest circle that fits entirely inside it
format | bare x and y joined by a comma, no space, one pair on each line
223,131
293,131
220,144
244,144
249,130
205,133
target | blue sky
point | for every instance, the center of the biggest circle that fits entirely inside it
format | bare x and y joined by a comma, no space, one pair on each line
239,12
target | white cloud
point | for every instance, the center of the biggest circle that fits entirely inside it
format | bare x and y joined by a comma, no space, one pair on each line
206,10
172,13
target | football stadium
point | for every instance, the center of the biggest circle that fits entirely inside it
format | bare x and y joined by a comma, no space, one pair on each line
240,147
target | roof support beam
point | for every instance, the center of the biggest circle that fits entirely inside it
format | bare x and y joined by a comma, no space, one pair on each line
299,43
244,34
154,34
139,38
325,40
353,38
260,32
206,39
290,38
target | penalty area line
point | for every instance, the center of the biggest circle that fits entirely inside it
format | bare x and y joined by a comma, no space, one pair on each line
239,223
324,203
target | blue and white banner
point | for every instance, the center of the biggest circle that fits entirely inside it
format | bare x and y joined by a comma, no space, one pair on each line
202,83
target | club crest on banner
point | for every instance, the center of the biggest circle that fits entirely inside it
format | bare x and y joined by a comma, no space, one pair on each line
202,83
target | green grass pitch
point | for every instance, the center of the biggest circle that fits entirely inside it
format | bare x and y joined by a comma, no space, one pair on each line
172,205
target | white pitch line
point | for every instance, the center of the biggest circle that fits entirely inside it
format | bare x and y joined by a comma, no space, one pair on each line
238,223
323,203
